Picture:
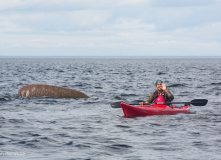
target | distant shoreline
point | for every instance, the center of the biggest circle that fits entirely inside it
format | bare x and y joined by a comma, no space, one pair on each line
113,57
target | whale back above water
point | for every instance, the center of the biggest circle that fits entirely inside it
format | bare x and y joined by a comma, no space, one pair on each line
42,90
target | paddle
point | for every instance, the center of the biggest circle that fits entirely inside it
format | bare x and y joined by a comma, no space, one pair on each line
195,102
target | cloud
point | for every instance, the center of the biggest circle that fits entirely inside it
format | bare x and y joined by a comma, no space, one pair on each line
207,33
186,3
57,5
66,16
125,27
69,16
66,21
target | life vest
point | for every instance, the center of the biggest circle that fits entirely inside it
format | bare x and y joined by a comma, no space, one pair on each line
160,99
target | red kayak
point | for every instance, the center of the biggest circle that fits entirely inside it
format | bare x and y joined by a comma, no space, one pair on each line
153,109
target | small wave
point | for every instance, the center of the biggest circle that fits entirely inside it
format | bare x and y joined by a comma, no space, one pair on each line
118,98
3,99
22,142
82,146
122,126
177,85
192,112
158,148
214,84
33,145
2,143
160,73
69,143
8,97
183,94
127,95
199,144
60,71
119,146
98,87
155,124
16,121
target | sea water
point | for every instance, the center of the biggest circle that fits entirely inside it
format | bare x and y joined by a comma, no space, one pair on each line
89,129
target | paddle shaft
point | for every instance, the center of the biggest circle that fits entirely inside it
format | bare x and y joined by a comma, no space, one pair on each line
195,102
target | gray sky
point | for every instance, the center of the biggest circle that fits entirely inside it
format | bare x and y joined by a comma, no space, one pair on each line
110,27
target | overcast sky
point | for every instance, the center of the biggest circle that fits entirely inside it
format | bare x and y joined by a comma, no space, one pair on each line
110,27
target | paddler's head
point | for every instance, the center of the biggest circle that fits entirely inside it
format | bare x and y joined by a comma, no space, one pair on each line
158,84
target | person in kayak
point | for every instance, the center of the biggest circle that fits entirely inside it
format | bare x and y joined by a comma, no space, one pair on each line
161,95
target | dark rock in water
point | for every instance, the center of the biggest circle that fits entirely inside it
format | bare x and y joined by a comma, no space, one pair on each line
41,90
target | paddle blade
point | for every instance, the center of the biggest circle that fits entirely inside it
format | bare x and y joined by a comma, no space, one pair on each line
115,105
199,102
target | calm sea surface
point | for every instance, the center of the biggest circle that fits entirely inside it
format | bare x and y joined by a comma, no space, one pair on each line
89,129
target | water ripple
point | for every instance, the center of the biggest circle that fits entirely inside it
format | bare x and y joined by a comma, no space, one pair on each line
53,128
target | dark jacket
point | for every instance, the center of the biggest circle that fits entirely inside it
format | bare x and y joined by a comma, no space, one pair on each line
155,94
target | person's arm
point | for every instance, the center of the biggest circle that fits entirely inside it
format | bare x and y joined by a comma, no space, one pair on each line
168,93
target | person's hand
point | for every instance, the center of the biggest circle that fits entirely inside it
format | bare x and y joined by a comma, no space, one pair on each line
141,103
164,87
